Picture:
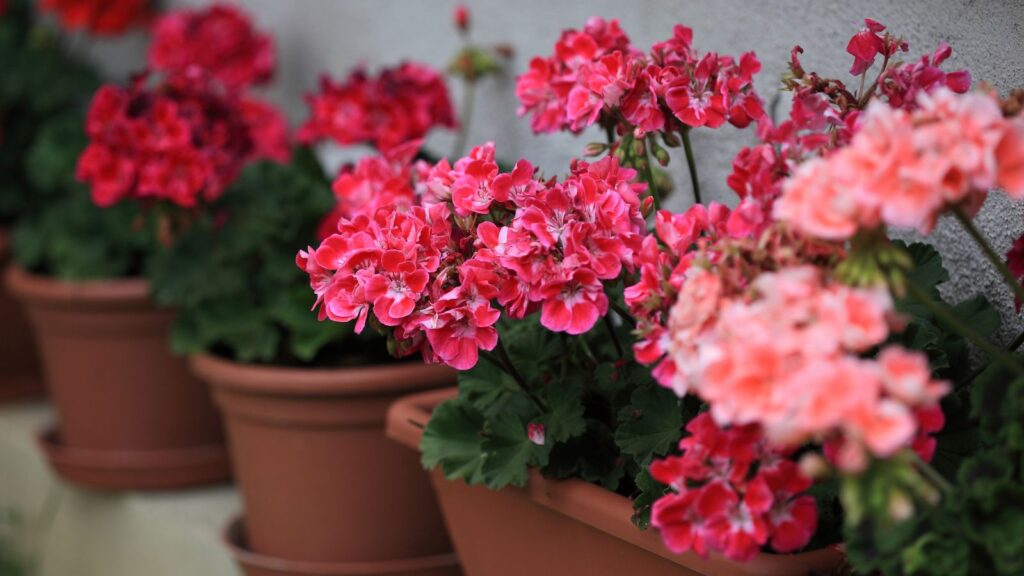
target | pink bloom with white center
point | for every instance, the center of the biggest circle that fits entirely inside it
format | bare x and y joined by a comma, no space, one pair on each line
575,304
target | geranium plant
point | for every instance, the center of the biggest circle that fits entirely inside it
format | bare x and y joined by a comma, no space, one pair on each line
794,370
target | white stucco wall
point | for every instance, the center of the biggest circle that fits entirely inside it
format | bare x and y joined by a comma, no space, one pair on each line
316,36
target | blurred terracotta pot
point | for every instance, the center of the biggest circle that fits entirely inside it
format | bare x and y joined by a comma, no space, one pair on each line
130,414
566,527
323,488
19,363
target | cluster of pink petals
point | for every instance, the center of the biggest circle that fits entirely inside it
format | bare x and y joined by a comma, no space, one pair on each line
904,168
595,71
183,140
789,359
219,39
664,259
732,493
437,272
398,105
372,183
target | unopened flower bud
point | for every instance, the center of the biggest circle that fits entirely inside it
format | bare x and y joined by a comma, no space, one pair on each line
901,507
660,154
461,18
670,139
536,433
814,465
647,206
594,149
639,149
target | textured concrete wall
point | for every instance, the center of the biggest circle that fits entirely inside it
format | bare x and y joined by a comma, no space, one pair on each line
315,36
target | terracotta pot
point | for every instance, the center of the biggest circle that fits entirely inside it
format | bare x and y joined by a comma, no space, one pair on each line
126,407
19,364
566,527
320,481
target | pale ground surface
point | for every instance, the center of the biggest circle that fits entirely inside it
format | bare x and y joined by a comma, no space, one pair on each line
103,534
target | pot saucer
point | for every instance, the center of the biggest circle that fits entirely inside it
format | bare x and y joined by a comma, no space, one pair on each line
20,387
137,469
256,564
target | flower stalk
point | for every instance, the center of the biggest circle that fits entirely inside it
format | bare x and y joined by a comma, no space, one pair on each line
691,163
990,253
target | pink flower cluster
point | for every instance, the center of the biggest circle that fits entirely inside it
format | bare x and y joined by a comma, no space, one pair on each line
182,140
99,17
432,272
664,259
732,493
789,358
218,39
398,105
595,74
904,168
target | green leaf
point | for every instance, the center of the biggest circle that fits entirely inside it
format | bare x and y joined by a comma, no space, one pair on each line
491,389
452,441
509,453
977,313
651,425
564,419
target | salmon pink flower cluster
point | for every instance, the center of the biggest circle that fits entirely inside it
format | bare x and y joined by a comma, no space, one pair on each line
595,75
99,17
398,105
181,140
732,493
218,39
825,114
474,237
787,355
904,168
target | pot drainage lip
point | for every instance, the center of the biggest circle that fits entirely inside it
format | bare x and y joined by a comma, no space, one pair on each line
168,469
235,539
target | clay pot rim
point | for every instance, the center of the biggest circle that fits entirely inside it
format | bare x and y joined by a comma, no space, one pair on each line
269,380
592,505
233,537
167,469
41,289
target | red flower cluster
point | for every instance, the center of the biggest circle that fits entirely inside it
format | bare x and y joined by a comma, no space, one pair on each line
732,493
433,270
100,17
182,140
398,105
595,74
219,39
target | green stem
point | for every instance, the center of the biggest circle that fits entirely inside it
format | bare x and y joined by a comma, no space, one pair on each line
990,253
977,371
621,311
933,475
691,164
466,114
615,337
649,175
942,313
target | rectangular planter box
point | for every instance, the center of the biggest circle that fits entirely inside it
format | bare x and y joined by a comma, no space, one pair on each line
566,527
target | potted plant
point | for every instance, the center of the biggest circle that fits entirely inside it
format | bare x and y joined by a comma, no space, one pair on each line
731,446
305,401
158,151
44,91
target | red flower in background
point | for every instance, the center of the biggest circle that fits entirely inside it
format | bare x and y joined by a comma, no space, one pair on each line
99,17
220,39
181,140
398,105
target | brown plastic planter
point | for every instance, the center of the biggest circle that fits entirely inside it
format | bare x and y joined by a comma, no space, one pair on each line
130,415
566,527
19,364
325,492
